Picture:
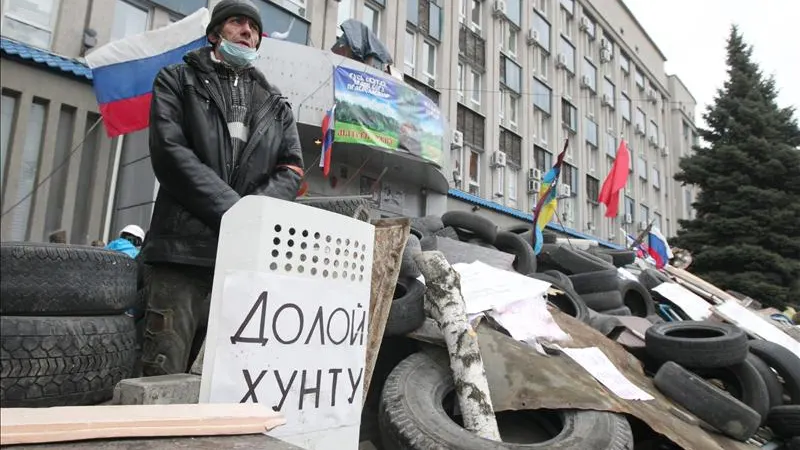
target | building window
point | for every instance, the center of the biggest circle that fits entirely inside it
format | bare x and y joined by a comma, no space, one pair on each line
429,58
502,106
590,72
542,27
30,21
592,188
609,90
512,178
513,109
500,182
475,86
474,172
460,82
31,154
8,109
591,131
543,159
411,52
639,78
570,177
568,5
641,167
625,106
541,63
569,115
624,63
656,178
630,206
611,145
652,131
412,12
128,20
510,74
475,13
541,5
657,221
344,12
543,126
511,145
541,96
472,125
372,18
645,213
640,118
568,50
511,41
435,21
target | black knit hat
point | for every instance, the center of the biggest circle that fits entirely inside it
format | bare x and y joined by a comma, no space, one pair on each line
229,8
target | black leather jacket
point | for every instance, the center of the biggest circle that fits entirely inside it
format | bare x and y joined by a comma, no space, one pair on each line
191,152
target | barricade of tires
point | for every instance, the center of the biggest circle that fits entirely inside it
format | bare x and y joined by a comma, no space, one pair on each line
64,337
416,406
734,384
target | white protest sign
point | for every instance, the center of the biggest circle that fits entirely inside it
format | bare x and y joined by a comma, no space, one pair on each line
289,318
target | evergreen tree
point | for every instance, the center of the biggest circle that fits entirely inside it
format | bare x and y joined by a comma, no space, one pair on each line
746,234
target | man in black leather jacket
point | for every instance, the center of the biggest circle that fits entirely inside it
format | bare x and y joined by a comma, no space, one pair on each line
218,131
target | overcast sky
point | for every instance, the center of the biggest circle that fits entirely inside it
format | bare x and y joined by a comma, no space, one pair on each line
692,34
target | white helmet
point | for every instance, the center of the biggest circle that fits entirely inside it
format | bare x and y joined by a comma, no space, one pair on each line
133,230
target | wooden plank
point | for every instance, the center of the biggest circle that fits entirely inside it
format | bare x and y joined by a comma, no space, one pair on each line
390,240
717,294
72,423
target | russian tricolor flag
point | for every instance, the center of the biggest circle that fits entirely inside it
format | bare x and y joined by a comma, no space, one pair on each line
658,248
328,129
124,70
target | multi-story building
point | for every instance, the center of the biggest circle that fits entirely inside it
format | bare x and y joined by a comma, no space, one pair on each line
514,78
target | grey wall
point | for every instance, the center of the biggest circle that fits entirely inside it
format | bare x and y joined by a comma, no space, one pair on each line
49,118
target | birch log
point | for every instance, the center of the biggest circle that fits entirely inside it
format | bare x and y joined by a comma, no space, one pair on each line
444,304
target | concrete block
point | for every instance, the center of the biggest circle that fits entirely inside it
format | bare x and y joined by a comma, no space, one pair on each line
174,389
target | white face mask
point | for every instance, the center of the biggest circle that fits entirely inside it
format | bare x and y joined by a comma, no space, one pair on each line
237,55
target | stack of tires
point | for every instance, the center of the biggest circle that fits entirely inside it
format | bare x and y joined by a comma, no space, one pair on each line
733,384
64,337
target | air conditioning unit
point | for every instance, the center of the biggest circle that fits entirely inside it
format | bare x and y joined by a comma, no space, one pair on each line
638,129
499,8
606,100
627,219
651,95
584,23
534,186
604,44
562,60
652,140
498,159
534,174
564,190
590,227
665,151
533,36
458,139
457,176
642,225
586,82
605,55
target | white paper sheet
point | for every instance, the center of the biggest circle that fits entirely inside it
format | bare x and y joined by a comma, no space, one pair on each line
692,304
485,287
601,368
528,320
755,324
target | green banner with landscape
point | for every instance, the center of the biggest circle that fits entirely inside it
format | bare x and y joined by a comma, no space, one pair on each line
384,112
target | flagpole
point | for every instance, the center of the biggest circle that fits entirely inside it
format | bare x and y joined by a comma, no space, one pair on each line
640,238
112,189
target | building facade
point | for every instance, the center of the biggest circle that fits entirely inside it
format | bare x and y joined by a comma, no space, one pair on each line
514,78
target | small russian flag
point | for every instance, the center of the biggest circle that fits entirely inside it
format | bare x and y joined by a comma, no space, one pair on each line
658,248
328,130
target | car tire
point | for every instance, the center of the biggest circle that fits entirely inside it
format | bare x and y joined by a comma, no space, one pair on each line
412,417
697,345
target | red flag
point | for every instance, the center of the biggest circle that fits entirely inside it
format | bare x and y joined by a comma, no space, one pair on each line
616,180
